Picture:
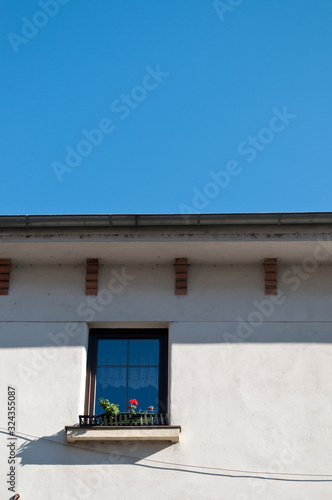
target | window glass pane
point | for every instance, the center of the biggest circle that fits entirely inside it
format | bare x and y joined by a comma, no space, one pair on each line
112,352
111,385
144,352
128,368
143,385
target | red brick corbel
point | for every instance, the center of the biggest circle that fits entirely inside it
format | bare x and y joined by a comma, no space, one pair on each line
270,268
5,265
91,278
181,272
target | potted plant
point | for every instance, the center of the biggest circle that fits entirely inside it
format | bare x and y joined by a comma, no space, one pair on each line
112,410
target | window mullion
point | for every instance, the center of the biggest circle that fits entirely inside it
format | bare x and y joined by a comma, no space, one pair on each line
127,374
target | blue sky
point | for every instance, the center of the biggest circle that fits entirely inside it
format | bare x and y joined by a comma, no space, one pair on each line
194,106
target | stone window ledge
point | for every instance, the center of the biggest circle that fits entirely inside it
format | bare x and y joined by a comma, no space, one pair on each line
124,433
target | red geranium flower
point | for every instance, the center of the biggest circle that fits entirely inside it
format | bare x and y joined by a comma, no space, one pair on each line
133,402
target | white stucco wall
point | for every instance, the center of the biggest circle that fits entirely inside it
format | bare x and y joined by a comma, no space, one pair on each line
252,397
146,293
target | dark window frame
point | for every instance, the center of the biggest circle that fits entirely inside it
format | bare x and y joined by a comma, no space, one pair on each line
126,333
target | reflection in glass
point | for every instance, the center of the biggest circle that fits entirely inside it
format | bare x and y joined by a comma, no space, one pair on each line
111,384
143,385
112,352
128,369
144,352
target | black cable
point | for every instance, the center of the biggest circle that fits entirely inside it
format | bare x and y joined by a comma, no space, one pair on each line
166,463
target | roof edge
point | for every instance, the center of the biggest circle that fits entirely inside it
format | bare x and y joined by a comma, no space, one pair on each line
156,220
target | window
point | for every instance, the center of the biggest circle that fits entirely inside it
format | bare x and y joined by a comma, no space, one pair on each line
127,364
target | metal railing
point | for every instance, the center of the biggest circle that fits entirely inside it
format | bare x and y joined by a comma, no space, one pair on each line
124,419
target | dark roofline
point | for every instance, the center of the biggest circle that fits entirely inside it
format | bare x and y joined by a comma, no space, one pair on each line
156,220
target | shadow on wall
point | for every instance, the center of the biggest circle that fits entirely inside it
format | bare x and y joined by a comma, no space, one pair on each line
251,328
254,330
54,450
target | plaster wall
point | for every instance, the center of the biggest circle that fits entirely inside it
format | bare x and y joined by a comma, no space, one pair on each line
251,395
146,293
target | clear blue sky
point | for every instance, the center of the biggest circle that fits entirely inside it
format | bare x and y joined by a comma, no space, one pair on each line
200,107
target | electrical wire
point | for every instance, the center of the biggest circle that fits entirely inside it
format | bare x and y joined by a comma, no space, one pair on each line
190,466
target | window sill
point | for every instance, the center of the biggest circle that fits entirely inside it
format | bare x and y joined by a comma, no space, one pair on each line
124,433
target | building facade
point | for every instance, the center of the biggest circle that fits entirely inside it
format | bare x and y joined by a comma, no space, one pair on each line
222,323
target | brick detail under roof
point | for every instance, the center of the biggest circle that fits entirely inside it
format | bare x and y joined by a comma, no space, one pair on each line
91,278
5,265
270,268
181,272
